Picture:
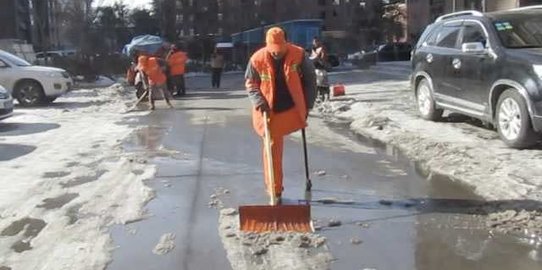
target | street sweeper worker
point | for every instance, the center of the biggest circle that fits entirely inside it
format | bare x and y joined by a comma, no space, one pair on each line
177,62
156,76
280,80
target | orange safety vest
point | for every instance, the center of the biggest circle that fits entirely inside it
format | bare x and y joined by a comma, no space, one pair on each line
153,71
294,119
176,62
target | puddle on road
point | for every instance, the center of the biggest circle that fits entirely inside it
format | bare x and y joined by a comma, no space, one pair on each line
442,228
403,221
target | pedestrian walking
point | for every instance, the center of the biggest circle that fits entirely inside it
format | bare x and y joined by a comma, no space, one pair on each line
177,63
152,68
217,65
280,81
321,64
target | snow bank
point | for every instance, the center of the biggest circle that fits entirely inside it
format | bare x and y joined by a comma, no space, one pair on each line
77,153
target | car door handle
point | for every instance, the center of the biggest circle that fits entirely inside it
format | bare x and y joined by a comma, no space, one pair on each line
456,63
429,58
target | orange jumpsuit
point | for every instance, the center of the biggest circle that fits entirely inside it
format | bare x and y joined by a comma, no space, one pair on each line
263,78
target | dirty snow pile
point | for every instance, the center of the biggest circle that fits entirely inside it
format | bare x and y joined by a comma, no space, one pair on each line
65,179
457,147
253,251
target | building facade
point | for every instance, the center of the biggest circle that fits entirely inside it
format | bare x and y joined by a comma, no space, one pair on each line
342,19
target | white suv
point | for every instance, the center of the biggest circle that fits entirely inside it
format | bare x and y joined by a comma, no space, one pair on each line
32,85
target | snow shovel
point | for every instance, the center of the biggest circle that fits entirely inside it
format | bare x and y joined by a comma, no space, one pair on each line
275,217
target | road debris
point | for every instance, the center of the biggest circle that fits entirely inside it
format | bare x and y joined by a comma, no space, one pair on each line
320,173
334,223
165,245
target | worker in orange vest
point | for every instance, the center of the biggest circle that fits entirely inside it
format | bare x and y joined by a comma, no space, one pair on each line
280,80
177,62
152,68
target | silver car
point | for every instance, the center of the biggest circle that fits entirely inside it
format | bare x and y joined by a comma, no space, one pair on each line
32,85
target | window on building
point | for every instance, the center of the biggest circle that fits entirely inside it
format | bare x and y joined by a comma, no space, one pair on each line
335,14
190,3
180,17
220,31
336,2
192,31
220,16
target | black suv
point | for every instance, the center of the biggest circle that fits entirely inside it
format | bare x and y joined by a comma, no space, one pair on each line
484,65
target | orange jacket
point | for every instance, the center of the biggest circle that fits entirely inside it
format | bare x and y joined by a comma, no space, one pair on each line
151,68
176,63
289,121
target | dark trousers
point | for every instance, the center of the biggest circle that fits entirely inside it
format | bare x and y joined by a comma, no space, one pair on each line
217,72
176,84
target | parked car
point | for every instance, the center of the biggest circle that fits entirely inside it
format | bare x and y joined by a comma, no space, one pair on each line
32,85
6,103
484,65
399,51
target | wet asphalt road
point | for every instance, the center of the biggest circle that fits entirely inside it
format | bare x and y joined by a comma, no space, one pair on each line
402,220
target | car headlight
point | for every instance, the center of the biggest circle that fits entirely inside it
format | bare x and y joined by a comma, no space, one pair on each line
538,70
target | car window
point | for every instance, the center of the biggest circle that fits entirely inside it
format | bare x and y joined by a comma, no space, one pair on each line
3,64
473,32
447,36
519,31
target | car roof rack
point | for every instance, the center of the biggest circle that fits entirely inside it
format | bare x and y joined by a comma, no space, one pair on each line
528,8
460,13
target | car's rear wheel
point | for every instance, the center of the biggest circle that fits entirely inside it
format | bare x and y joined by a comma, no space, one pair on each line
513,120
426,104
29,93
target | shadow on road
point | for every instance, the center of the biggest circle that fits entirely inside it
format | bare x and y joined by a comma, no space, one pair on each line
18,129
12,151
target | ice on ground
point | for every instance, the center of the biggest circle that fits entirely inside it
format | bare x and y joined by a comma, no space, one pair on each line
76,140
165,245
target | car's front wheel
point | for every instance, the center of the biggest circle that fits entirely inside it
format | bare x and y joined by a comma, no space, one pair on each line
426,103
29,93
513,120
